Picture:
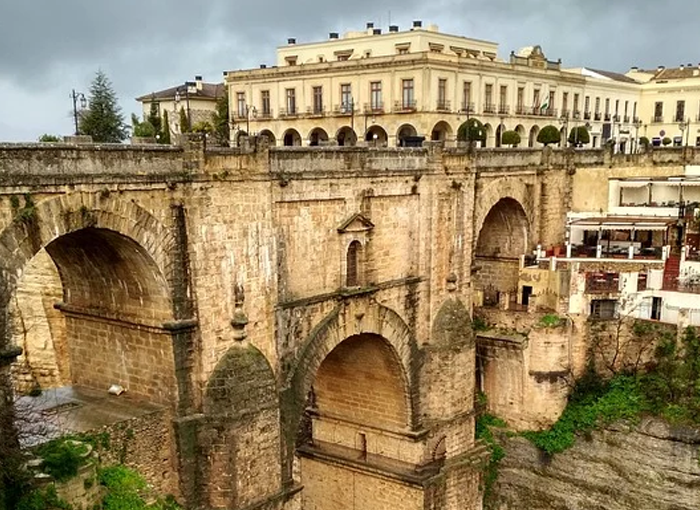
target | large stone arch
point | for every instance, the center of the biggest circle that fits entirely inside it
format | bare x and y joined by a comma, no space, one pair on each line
351,318
506,187
241,430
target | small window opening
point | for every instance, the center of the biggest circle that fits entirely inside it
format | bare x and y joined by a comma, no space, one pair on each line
353,258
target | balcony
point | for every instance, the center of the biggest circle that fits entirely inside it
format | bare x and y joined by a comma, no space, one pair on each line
265,114
636,120
657,119
443,105
375,108
587,116
626,119
679,118
343,109
503,109
607,117
597,116
565,113
489,108
522,110
576,114
616,118
288,113
548,112
405,106
315,111
467,108
616,250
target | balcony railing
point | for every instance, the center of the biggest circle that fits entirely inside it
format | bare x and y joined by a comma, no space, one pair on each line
489,108
291,112
375,108
679,118
587,116
566,113
343,109
315,111
521,109
443,105
627,119
597,116
503,109
576,114
265,114
405,106
617,251
607,117
467,107
636,120
616,118
657,119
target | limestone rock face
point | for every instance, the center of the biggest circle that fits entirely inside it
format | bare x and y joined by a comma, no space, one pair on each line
649,466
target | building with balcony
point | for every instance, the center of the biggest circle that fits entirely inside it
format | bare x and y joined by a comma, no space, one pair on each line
401,86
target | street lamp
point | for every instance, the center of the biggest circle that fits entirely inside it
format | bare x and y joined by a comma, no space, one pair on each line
77,96
564,121
249,110
637,124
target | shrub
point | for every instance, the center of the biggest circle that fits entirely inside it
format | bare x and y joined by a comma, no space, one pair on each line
49,138
203,127
548,135
42,499
472,130
510,138
551,320
62,458
123,488
644,142
666,141
579,135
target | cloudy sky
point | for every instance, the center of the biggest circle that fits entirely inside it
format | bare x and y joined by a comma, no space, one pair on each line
49,47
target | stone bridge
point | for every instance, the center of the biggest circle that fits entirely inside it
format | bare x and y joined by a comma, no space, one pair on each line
302,314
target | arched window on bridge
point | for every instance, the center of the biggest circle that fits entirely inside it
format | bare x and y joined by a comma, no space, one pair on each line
353,266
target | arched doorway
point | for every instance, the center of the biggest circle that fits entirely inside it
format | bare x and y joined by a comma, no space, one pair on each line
442,131
316,136
291,138
376,136
488,140
499,134
346,136
269,135
405,134
520,129
563,135
503,239
532,139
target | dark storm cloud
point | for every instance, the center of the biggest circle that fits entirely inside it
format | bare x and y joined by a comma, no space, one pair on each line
48,47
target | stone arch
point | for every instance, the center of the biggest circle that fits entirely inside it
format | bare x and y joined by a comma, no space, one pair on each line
317,136
520,129
241,429
441,131
113,261
504,232
377,136
291,138
499,134
346,136
497,189
404,131
532,138
270,136
488,130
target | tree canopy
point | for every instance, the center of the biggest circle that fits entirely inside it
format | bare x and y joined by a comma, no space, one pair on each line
510,138
548,135
579,136
103,119
220,119
471,130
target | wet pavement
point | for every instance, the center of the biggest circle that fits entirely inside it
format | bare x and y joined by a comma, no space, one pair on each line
61,411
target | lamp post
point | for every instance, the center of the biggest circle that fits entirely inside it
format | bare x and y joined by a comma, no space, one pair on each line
684,126
637,124
564,121
77,97
249,111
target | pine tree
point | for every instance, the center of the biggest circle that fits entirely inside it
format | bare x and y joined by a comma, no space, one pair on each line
220,119
154,117
165,127
184,121
103,119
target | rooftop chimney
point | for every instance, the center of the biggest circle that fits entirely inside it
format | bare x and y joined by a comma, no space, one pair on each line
198,81
291,40
417,24
393,28
333,35
376,31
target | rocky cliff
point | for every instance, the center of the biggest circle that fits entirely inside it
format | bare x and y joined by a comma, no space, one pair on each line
650,465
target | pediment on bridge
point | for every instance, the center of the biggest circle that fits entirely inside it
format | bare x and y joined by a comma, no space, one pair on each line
356,223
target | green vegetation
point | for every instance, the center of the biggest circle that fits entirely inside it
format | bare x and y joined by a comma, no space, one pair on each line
551,320
47,138
480,324
579,135
644,142
471,130
666,141
142,129
220,119
203,127
42,499
62,458
670,388
23,214
184,121
103,119
483,432
165,135
125,489
510,138
549,135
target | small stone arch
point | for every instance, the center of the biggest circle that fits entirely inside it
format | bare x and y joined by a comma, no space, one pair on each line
317,136
377,136
346,136
497,189
532,138
442,131
520,129
291,138
272,140
488,129
499,134
405,131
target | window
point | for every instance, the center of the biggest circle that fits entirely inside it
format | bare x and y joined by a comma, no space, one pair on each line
565,103
680,111
520,100
467,96
536,98
442,94
291,101
240,104
587,105
597,105
503,99
407,100
346,97
576,103
603,308
627,104
375,95
607,106
343,57
656,308
402,51
634,110
659,111
617,106
265,102
552,97
488,98
352,277
318,99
